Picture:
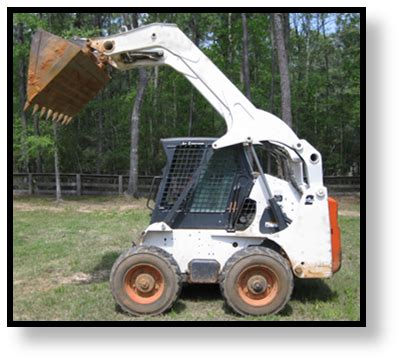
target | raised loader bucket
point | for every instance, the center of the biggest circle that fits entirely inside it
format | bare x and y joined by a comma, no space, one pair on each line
63,76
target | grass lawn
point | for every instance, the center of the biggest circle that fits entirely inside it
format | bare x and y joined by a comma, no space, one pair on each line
63,255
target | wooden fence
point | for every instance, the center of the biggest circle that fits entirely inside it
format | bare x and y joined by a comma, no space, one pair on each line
342,184
109,184
77,184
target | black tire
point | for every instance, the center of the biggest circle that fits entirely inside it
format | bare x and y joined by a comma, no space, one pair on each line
153,267
256,281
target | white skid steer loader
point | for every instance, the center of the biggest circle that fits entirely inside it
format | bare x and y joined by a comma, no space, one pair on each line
219,216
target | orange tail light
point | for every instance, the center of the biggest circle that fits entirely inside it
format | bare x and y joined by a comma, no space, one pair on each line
335,235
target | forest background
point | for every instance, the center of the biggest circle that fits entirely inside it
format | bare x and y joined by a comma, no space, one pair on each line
302,67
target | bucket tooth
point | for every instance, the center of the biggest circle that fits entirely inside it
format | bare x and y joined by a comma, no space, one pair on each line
35,109
61,116
49,113
26,106
42,112
65,119
69,119
55,115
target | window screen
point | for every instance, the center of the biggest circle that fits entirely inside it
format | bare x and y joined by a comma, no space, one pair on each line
216,182
186,160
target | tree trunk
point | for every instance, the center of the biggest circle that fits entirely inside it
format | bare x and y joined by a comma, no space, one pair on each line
191,113
22,93
286,30
56,162
283,69
230,39
326,57
39,161
273,68
153,121
300,75
196,39
307,25
135,121
99,152
175,111
98,22
134,20
246,68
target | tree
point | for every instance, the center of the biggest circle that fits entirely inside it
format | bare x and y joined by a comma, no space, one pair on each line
323,65
271,107
246,68
135,120
193,24
286,105
22,92
56,161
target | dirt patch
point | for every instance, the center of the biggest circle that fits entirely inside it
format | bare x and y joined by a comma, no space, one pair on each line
106,208
27,207
57,280
86,278
81,206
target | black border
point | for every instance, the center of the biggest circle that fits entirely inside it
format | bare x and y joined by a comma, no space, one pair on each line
360,323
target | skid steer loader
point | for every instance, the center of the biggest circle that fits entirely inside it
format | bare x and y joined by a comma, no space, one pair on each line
219,216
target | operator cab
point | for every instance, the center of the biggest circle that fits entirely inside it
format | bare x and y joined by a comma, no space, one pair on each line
206,188
202,187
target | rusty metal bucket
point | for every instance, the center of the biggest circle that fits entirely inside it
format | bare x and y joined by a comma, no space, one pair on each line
62,77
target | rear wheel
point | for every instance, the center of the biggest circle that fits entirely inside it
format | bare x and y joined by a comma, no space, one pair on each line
256,281
145,280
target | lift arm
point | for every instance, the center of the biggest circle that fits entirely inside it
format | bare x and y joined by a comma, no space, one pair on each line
159,44
154,45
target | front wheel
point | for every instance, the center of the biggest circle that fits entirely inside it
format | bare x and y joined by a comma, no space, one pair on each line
256,281
145,281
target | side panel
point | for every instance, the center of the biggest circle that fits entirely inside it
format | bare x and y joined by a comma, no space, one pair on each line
186,245
306,241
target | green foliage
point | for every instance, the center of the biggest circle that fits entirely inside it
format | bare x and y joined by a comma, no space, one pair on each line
324,61
39,145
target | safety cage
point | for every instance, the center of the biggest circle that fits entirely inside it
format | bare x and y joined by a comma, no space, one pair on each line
204,188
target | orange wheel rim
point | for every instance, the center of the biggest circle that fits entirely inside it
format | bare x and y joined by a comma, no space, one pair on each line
258,285
144,284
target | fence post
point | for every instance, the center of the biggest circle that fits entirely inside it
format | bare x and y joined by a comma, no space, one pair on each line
30,189
120,184
78,182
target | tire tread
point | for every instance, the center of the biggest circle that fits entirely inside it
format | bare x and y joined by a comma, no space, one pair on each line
247,252
153,251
